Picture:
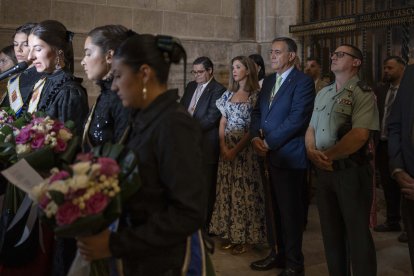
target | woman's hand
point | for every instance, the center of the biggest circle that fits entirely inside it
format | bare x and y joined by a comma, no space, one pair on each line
95,247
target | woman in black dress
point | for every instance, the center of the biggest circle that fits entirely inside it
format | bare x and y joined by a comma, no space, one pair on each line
171,203
107,119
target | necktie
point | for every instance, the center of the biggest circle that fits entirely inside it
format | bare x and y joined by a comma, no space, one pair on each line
392,92
275,88
194,100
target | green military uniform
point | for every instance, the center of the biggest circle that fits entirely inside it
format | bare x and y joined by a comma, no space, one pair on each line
344,196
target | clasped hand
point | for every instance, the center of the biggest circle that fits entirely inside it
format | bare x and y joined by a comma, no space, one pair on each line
406,183
320,160
260,147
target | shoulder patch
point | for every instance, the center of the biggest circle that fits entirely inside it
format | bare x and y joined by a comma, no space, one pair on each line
364,86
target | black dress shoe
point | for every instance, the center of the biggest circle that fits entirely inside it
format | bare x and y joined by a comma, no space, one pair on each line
403,237
293,272
388,227
271,261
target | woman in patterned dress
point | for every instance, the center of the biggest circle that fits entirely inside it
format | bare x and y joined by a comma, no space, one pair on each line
238,214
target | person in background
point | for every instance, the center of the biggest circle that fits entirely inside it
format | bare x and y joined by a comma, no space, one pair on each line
107,119
199,99
313,69
344,117
393,72
260,67
7,61
238,215
20,86
170,206
401,151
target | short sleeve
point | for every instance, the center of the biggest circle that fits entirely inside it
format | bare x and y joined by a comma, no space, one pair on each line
221,103
365,111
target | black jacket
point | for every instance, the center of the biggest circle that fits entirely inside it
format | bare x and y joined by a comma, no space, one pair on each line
208,116
171,203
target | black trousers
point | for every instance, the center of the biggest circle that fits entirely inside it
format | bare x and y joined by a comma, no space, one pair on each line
408,214
392,193
288,188
344,201
210,171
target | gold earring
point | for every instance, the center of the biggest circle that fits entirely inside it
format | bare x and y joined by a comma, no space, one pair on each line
144,93
57,65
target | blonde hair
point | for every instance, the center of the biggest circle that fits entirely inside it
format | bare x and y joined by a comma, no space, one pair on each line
252,82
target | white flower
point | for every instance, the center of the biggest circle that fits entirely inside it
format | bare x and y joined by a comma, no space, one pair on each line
64,134
79,182
59,186
38,191
20,149
81,168
51,209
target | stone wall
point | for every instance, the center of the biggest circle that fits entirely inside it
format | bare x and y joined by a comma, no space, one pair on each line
208,28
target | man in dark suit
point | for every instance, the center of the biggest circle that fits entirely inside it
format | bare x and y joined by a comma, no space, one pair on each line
278,127
393,72
401,150
200,98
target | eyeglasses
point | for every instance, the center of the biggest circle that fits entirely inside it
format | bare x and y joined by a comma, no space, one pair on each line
342,54
199,72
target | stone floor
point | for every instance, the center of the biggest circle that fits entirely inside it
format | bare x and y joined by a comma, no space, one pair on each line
392,256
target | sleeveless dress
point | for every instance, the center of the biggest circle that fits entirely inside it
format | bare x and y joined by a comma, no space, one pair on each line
239,209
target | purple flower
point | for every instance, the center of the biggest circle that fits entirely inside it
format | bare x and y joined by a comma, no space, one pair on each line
109,167
44,201
24,135
38,141
96,204
60,145
67,213
60,175
57,125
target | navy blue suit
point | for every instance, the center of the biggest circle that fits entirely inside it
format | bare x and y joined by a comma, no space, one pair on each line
401,144
284,125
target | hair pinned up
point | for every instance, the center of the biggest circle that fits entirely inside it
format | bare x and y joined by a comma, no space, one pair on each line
69,36
130,33
156,51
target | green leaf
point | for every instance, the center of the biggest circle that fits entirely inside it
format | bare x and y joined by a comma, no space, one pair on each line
68,156
70,125
57,197
41,160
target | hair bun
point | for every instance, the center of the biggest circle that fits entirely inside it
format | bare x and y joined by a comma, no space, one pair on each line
69,36
172,48
130,33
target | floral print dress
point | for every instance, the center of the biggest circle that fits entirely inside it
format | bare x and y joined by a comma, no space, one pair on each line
239,208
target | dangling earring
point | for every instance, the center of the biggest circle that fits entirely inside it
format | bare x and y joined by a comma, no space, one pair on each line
144,93
57,65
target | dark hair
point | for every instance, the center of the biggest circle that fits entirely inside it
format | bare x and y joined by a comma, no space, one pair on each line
25,28
314,59
57,36
252,82
396,58
9,51
109,37
292,47
259,61
206,62
156,51
356,52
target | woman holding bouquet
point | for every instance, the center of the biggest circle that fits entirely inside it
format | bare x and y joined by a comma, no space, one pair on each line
58,93
107,119
170,205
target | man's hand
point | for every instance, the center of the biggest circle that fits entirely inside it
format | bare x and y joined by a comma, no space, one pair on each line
320,160
260,147
406,183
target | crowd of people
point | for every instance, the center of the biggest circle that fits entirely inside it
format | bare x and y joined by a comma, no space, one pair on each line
231,162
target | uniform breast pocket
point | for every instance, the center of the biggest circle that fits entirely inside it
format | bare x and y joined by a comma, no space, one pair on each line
319,108
343,109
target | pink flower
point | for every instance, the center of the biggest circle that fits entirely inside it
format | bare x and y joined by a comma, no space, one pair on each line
84,157
37,120
57,125
109,167
67,213
60,175
44,201
38,141
24,135
60,145
96,204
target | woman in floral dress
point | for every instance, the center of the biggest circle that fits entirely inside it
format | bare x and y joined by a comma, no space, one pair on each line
238,214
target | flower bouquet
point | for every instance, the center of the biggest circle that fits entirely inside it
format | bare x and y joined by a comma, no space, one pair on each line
85,198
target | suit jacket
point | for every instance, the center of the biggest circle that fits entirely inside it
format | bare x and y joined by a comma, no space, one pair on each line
208,116
400,125
285,121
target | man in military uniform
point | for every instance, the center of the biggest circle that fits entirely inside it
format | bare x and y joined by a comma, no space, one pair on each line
345,113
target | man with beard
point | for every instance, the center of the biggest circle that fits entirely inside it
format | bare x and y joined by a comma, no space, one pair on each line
393,72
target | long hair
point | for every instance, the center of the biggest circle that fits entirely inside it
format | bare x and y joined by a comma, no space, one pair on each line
58,37
159,52
9,51
252,82
259,61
